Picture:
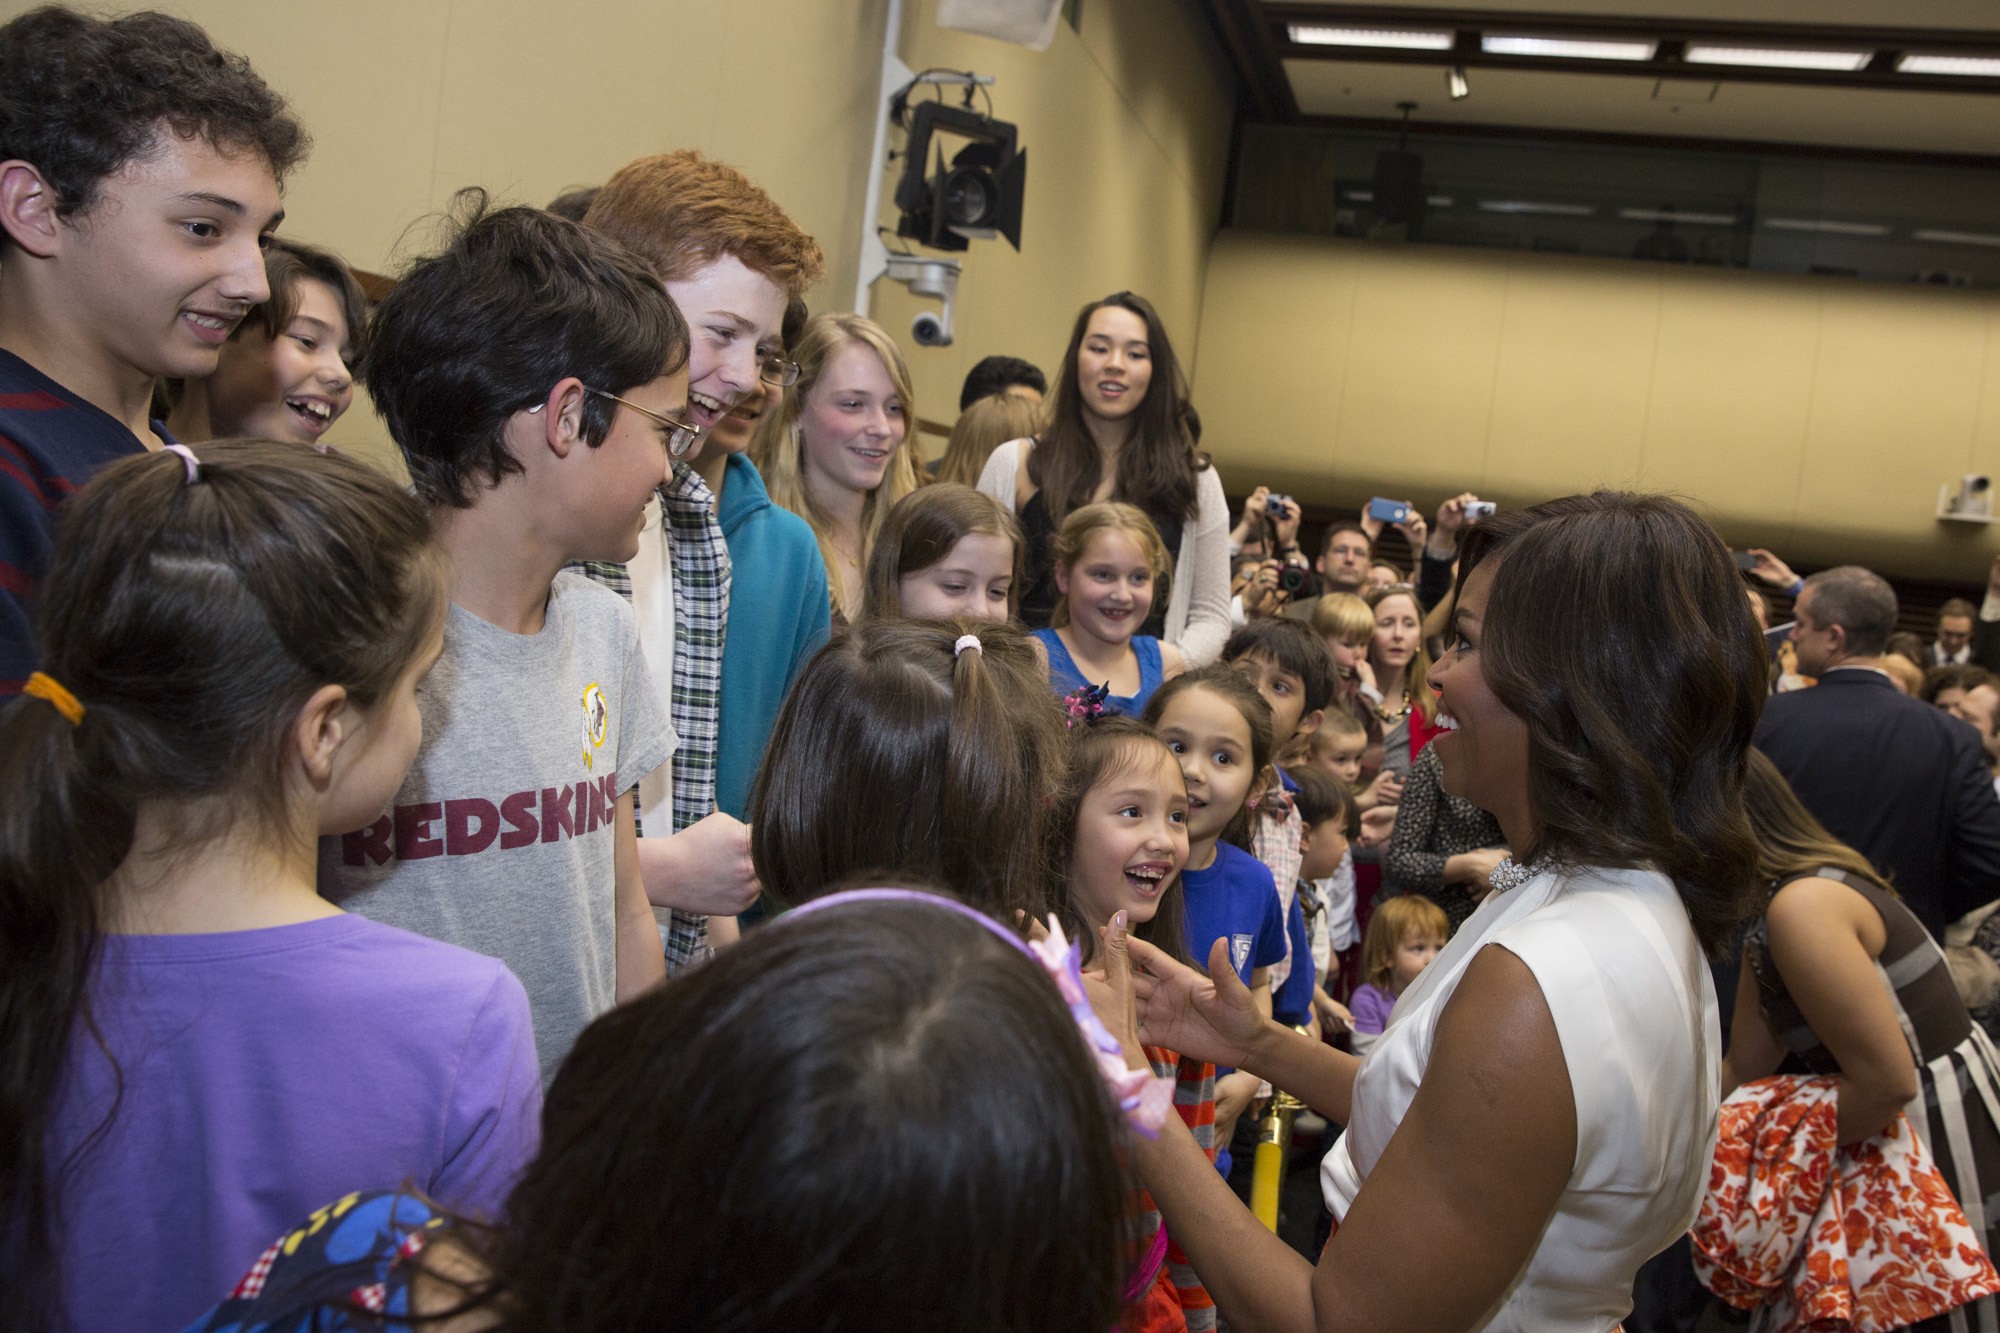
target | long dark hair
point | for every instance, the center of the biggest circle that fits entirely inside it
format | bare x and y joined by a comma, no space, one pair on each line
192,620
1617,629
1099,752
876,1116
896,753
1156,469
1789,840
1234,688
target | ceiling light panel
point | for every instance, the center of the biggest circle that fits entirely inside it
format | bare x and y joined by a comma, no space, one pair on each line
1395,39
1968,67
1672,215
1827,227
1537,207
1704,53
1955,237
1566,48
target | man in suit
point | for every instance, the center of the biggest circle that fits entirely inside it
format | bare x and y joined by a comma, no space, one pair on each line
1901,782
1953,645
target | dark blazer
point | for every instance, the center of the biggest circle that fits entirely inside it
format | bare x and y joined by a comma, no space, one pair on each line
1985,643
1901,782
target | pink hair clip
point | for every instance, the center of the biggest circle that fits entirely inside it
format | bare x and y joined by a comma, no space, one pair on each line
1085,704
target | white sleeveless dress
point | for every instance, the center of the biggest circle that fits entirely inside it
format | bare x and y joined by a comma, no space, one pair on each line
1634,1008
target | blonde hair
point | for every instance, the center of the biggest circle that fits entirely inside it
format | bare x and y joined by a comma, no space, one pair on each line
1417,675
921,530
778,451
1404,917
1340,721
1082,527
1343,616
980,429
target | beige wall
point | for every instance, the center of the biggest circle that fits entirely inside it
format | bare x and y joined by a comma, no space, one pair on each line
409,100
1814,416
1126,126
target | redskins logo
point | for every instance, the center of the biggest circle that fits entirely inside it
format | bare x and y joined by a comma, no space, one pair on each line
596,722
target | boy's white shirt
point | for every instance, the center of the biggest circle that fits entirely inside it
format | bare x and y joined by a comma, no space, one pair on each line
653,607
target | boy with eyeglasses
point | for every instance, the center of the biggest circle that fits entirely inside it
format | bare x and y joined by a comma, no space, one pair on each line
729,589
535,377
139,178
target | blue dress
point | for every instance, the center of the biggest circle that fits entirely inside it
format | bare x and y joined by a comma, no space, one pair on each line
1064,676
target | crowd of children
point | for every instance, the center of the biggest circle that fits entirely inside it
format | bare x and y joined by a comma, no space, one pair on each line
348,821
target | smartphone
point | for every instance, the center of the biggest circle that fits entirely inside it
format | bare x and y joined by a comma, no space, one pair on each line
1391,512
1478,509
1745,561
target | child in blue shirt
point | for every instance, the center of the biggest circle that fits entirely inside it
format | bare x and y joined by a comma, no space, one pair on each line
1219,727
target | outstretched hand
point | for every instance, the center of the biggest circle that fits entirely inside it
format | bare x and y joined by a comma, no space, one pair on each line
1206,1017
1109,983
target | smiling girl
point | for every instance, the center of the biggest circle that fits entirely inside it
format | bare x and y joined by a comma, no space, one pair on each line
1119,833
945,550
841,458
1111,568
1219,728
1120,429
288,371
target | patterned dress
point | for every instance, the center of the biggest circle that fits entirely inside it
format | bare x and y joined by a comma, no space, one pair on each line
1432,826
345,1269
1957,1110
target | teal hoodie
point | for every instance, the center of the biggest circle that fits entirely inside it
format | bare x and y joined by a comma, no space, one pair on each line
779,613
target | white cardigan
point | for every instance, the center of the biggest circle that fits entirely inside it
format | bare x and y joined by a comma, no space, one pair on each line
1198,606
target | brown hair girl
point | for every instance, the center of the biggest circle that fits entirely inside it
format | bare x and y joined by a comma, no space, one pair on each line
922,529
903,752
186,624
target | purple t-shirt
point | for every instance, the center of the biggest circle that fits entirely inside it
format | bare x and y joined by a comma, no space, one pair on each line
1371,1007
268,1073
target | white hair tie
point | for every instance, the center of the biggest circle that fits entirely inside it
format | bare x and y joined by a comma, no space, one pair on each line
966,641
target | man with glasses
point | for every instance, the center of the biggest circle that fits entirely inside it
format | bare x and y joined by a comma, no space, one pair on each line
733,262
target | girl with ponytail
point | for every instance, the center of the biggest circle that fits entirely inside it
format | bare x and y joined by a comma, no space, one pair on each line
196,1049
925,749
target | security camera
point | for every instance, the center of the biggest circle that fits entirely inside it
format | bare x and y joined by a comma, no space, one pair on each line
929,277
1974,499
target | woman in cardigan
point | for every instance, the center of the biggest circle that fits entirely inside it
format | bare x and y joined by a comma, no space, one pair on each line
1444,847
1119,430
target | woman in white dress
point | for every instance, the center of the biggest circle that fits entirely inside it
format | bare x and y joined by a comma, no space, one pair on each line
1537,1120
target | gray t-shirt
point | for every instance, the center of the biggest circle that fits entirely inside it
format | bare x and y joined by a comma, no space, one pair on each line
502,838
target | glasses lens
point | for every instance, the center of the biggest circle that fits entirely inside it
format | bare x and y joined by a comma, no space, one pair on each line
780,372
682,439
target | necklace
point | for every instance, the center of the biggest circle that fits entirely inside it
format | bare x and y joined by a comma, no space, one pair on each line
1511,874
1393,715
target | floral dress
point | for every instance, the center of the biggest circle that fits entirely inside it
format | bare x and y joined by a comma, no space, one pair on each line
1957,1110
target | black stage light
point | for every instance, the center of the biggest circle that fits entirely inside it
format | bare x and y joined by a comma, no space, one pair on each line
977,196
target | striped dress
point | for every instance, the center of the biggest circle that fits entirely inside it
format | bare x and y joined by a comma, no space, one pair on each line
1177,1290
1957,1109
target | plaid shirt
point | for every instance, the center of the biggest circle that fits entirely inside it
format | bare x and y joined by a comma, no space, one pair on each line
701,579
1274,838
